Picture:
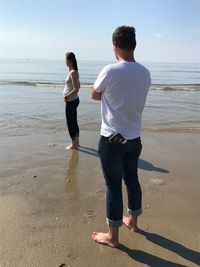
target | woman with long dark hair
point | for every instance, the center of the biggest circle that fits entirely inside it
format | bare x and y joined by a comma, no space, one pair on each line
71,99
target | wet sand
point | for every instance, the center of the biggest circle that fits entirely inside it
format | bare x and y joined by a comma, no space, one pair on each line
51,200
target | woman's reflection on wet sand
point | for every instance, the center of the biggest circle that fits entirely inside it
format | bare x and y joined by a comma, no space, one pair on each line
72,191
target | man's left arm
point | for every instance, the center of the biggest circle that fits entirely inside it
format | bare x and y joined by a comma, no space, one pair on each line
96,95
100,84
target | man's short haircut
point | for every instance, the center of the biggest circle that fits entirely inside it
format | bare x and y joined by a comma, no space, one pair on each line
124,37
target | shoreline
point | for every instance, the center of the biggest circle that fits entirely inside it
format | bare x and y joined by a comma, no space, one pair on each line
26,132
154,87
51,200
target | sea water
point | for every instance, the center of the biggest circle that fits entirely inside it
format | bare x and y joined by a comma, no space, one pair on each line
31,99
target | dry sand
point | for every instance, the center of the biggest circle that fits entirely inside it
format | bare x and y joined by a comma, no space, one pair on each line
51,200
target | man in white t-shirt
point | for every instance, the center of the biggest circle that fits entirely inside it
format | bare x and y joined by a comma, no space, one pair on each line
122,89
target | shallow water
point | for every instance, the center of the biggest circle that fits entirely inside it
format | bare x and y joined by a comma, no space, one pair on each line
28,109
31,98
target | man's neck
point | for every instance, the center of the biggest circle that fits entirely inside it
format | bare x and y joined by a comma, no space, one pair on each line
126,56
126,59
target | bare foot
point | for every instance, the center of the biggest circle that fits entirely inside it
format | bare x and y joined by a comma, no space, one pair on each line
105,239
71,146
131,224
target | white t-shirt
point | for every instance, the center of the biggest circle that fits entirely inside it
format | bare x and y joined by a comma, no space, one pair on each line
124,88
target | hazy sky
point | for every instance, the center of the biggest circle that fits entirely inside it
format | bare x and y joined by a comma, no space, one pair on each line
167,30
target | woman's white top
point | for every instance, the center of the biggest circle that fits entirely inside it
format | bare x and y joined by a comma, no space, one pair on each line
69,87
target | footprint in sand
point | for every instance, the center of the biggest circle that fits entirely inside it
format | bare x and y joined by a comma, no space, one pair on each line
72,256
100,194
52,145
90,214
157,182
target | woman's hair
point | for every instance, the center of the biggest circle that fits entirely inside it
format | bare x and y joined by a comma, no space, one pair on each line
71,57
124,37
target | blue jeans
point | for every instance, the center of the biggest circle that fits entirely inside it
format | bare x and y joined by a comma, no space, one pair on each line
120,161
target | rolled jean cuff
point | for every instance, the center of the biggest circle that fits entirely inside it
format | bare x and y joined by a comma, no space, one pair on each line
113,223
134,212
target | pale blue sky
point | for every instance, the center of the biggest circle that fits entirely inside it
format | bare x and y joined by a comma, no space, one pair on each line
167,30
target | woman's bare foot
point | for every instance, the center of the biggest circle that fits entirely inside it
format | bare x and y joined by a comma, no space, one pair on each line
74,144
105,239
131,223
71,146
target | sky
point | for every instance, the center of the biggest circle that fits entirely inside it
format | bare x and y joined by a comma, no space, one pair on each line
166,30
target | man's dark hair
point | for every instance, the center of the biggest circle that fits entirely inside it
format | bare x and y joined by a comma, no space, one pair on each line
124,37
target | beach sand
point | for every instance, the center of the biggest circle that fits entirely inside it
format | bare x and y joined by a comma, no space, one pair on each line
51,200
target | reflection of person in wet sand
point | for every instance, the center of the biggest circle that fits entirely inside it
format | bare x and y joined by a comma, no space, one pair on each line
71,176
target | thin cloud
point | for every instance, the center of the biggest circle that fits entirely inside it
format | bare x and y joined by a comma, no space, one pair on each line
24,32
194,31
159,35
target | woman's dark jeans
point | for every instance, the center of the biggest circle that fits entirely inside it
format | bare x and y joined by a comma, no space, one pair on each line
120,161
71,118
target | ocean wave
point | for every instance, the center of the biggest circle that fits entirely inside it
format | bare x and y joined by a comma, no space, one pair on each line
176,88
39,83
181,71
159,87
173,129
32,83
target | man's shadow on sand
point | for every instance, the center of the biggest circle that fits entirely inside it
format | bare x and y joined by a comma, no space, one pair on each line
147,166
89,151
143,164
154,261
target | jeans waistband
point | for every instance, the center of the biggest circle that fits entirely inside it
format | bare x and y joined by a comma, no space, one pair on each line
134,139
128,140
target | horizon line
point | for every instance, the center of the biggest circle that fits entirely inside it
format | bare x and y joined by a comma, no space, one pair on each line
99,60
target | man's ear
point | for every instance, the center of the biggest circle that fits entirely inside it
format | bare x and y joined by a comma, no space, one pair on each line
114,48
116,51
